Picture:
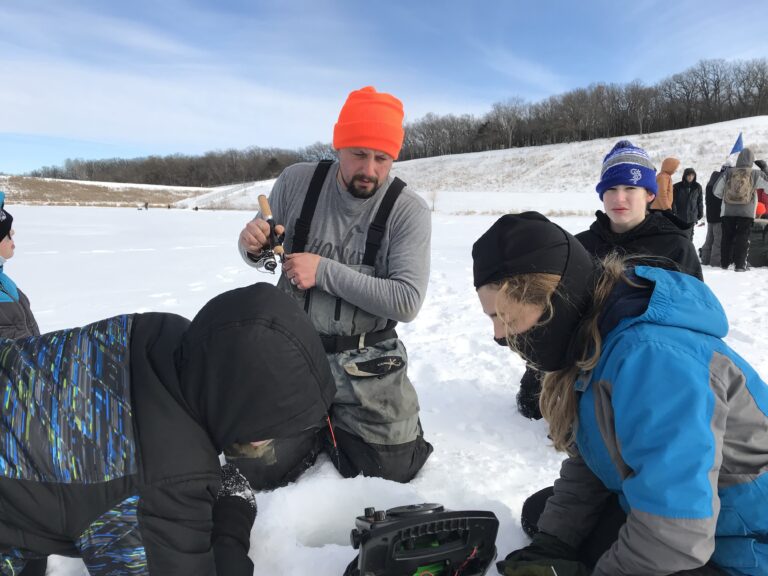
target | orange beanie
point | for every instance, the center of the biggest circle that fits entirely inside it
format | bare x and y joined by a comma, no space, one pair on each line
370,119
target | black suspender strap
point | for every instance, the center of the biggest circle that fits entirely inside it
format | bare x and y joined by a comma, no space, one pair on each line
372,244
377,227
304,221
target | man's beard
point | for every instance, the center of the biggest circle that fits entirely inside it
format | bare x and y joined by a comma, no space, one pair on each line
363,194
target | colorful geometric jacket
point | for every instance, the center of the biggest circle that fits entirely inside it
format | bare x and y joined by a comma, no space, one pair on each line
110,433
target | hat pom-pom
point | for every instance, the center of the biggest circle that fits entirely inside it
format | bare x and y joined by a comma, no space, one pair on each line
623,144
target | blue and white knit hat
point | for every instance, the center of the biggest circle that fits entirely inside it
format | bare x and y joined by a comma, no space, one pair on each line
627,165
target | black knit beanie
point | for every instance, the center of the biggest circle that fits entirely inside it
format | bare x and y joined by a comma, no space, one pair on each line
520,244
529,243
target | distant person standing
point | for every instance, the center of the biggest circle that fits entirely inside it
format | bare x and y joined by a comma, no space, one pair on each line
738,189
664,188
710,251
687,200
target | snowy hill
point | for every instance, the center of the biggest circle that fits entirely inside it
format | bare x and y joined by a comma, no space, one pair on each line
557,180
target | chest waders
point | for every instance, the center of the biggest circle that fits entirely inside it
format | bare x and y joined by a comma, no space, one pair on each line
376,409
336,344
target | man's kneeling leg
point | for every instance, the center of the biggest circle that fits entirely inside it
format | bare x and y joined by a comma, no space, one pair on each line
353,456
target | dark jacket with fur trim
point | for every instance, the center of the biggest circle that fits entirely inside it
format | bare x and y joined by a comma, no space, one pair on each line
661,236
115,427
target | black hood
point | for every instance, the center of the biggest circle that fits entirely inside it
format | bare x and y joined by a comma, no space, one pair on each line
251,367
685,175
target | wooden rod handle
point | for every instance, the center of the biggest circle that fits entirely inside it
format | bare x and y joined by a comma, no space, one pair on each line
266,211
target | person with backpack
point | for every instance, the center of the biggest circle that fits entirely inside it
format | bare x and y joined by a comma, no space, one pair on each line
665,427
111,433
688,201
358,252
738,190
710,251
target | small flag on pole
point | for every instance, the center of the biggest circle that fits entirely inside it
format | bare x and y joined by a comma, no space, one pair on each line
738,146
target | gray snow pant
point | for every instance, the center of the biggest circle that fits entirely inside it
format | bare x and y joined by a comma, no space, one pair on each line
710,251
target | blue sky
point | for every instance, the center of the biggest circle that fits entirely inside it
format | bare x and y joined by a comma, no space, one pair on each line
95,79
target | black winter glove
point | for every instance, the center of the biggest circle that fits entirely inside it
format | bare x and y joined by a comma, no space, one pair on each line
528,395
544,556
352,569
235,509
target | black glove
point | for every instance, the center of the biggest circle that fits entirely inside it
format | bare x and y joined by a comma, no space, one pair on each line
528,395
235,509
544,556
352,569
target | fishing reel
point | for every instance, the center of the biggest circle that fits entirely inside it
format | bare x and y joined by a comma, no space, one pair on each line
423,540
268,257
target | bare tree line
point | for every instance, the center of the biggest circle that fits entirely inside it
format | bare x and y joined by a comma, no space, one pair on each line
211,169
710,91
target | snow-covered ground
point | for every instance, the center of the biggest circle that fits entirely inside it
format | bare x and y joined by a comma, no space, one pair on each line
81,264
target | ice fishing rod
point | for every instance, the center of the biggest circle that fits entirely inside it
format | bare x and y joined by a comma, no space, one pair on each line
267,260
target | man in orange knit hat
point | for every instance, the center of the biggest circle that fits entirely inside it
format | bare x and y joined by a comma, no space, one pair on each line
358,245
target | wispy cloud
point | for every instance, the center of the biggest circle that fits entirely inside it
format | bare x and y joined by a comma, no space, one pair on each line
694,32
529,76
69,32
220,112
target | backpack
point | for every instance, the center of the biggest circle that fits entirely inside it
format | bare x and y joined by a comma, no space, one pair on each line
738,186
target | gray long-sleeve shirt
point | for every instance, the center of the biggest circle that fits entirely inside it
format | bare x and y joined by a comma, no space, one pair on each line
338,233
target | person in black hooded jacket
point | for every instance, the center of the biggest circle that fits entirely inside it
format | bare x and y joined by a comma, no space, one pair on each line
111,433
662,237
688,201
627,227
710,250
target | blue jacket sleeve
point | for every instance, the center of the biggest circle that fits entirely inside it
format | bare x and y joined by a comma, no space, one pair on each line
669,431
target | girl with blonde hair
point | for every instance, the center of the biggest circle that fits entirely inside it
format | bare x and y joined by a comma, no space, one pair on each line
665,427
